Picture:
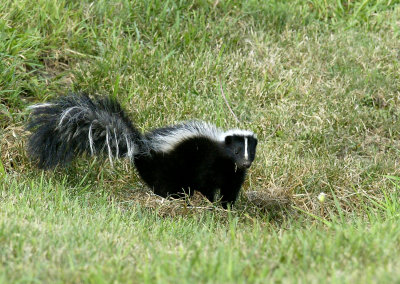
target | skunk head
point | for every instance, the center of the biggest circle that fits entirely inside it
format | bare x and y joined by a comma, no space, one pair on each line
242,148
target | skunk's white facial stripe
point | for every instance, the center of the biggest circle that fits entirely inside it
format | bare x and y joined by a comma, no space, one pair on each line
246,153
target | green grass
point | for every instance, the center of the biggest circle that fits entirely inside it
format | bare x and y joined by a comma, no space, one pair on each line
50,233
318,81
47,234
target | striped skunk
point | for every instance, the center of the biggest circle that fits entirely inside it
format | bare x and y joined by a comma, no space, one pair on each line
172,160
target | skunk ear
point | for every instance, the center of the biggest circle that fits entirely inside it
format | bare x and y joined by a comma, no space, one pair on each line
228,140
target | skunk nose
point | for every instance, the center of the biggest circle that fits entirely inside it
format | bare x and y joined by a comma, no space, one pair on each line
247,164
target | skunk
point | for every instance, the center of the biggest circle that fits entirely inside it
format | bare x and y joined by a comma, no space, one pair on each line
172,160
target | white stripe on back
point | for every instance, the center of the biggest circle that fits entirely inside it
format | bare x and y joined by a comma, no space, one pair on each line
167,141
236,132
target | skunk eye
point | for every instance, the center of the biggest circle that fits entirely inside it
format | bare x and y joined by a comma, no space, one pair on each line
236,152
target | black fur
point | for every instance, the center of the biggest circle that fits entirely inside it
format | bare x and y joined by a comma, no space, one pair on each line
66,127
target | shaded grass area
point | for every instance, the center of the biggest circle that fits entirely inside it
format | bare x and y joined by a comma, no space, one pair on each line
317,81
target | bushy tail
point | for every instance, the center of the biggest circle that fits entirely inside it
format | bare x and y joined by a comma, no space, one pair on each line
75,124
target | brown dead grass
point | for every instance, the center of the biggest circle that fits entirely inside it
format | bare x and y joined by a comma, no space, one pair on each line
12,145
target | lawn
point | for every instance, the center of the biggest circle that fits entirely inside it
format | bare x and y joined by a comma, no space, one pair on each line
319,83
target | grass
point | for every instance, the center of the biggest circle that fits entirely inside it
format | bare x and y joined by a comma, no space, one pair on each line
50,233
316,80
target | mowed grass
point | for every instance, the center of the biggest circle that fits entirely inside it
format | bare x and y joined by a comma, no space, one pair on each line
51,234
318,81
